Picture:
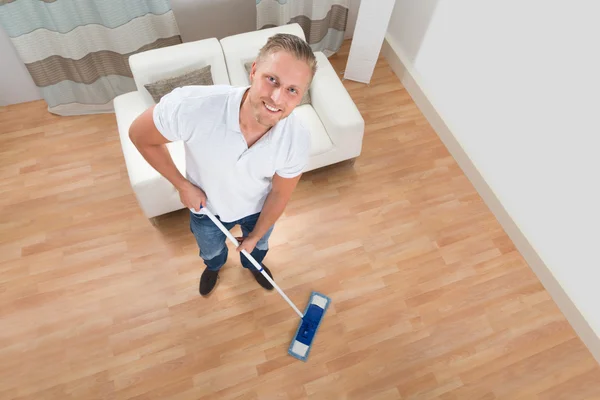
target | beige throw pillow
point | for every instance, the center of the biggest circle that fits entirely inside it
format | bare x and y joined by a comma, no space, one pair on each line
305,98
158,89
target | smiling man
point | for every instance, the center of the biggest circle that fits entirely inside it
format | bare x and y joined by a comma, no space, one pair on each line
245,151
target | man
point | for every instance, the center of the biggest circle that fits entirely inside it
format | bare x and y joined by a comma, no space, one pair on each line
245,151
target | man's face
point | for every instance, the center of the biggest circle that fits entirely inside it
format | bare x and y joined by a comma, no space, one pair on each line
278,83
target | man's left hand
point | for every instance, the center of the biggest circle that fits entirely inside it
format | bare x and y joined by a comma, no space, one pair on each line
247,243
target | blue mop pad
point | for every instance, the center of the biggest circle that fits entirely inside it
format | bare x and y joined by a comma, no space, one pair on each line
313,315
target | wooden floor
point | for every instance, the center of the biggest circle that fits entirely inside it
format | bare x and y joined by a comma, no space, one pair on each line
430,297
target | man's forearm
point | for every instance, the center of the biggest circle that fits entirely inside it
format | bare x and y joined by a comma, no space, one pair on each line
273,208
159,158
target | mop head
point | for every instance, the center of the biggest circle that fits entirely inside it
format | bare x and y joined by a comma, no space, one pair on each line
313,315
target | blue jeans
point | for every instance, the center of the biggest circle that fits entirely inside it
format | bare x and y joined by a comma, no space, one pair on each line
211,241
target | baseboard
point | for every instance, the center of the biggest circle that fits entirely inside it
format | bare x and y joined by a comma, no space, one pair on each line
412,81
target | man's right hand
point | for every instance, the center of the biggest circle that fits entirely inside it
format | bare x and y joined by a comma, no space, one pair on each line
192,196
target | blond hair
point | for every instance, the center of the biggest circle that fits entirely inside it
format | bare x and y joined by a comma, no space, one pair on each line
292,44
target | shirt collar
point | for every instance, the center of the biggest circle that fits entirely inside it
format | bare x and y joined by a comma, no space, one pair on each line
233,121
233,105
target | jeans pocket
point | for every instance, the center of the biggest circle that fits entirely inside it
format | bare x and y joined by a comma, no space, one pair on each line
197,216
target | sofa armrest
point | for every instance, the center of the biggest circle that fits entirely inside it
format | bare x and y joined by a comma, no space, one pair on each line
128,107
336,109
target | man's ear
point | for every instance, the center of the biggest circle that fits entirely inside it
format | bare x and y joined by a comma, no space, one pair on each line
252,71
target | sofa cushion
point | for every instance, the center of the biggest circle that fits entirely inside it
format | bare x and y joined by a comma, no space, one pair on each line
305,97
158,89
165,62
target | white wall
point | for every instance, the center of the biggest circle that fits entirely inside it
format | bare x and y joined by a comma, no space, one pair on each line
409,23
16,85
513,89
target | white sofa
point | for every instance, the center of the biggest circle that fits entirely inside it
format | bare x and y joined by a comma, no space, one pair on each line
336,125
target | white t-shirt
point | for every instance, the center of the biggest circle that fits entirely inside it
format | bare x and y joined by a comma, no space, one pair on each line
235,178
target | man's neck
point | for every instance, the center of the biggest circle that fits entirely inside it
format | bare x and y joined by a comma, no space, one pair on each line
248,123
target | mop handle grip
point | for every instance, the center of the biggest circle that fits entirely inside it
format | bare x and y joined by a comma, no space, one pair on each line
249,257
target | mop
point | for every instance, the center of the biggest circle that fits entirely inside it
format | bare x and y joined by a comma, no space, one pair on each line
313,313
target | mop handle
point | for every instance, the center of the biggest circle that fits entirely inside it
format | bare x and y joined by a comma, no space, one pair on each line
249,257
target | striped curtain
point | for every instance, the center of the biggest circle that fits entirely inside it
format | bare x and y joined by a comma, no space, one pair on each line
323,21
77,51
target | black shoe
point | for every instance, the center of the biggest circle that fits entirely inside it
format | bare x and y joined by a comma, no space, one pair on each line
261,279
208,281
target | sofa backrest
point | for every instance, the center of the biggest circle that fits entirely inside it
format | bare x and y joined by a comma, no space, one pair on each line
242,48
166,62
